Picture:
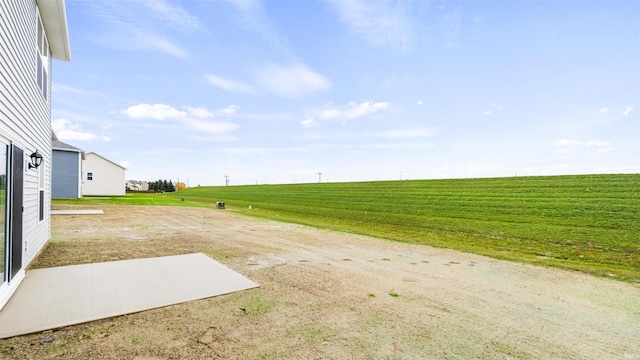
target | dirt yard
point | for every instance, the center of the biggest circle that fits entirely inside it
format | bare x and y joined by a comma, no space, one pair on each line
328,295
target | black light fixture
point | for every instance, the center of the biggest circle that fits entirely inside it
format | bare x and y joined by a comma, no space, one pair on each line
36,160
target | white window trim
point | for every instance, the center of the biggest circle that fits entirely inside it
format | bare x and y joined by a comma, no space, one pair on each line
5,292
42,66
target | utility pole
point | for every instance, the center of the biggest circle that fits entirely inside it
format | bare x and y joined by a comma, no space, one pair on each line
319,176
226,180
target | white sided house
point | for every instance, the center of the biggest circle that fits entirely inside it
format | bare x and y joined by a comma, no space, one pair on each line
32,32
135,185
101,176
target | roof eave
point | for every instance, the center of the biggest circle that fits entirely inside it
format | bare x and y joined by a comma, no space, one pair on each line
54,20
104,158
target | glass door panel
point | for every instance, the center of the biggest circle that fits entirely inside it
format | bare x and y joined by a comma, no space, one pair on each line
3,212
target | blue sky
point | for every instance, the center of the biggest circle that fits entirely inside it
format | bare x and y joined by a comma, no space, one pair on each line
275,91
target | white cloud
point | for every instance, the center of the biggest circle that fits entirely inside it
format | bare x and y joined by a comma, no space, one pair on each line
603,110
143,25
192,118
125,163
419,102
155,42
289,82
292,82
199,112
353,110
66,131
229,110
253,17
176,17
309,122
381,23
59,87
229,85
628,111
488,112
155,111
597,143
565,146
106,138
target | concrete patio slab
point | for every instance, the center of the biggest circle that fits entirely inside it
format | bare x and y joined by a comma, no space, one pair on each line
56,297
77,212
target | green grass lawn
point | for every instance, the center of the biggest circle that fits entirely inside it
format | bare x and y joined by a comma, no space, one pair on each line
589,223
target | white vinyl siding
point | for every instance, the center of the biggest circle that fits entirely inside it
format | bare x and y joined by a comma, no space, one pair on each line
25,115
102,176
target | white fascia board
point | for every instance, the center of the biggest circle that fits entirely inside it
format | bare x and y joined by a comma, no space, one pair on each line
54,20
104,158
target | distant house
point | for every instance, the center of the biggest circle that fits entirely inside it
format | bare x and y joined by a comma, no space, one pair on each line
32,32
66,170
101,176
135,185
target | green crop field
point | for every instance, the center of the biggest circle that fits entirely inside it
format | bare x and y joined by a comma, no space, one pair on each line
588,223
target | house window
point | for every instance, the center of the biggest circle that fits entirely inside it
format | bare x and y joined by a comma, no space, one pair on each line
41,194
4,192
41,206
89,176
42,60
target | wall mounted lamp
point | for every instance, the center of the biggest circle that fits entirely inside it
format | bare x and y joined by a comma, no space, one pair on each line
36,160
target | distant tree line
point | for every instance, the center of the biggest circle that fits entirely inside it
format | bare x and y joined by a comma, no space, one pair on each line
161,186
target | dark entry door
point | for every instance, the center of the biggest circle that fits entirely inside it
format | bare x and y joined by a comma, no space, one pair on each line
17,175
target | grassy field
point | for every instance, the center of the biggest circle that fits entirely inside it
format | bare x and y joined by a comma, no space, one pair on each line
588,223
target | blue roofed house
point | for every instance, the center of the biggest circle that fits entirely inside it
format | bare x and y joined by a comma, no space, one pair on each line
66,171
33,32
